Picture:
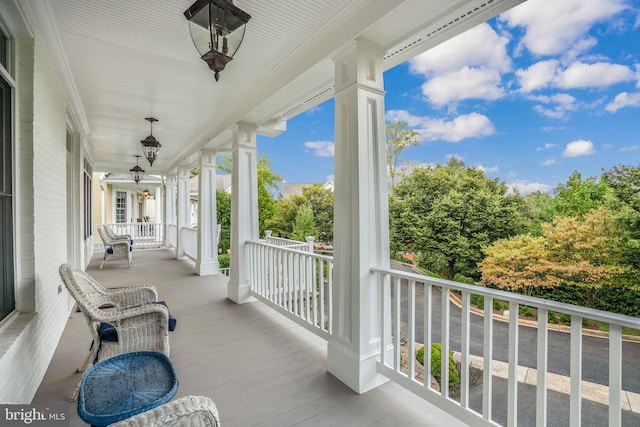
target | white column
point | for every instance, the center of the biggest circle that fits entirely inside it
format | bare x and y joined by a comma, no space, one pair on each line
207,260
169,211
157,197
244,209
183,216
361,228
170,199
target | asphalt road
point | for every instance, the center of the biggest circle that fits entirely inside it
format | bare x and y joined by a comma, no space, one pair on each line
595,359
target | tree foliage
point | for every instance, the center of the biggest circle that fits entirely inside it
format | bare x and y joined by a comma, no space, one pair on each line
304,225
574,251
319,199
398,138
267,184
452,211
223,213
578,196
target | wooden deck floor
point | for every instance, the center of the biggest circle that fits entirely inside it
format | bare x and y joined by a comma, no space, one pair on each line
259,368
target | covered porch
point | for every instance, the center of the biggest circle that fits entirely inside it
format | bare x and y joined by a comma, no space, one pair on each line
258,367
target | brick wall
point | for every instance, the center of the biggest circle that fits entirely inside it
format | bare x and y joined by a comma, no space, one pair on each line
27,344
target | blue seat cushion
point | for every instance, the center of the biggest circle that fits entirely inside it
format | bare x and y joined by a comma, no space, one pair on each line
110,249
108,332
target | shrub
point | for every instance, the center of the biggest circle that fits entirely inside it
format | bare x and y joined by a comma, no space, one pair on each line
478,300
224,260
436,361
463,279
525,311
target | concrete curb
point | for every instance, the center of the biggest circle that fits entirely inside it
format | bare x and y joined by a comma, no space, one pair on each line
457,300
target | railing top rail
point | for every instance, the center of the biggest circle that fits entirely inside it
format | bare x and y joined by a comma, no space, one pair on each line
590,313
290,249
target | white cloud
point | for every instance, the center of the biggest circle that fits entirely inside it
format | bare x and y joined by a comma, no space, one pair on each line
548,162
537,76
549,74
624,99
467,66
547,146
553,28
473,125
579,148
630,148
526,187
466,83
487,169
321,148
600,74
479,47
454,156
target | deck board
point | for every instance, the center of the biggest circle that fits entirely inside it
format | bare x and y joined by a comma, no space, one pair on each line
260,368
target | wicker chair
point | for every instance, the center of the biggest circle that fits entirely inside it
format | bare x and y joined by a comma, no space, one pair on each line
115,248
113,236
138,324
188,411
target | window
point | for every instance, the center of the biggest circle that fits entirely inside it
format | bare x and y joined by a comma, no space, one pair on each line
121,206
7,292
88,194
3,50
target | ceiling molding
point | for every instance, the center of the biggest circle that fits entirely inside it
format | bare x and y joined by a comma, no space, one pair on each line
45,23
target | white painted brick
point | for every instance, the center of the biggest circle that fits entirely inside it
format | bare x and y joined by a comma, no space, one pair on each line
43,218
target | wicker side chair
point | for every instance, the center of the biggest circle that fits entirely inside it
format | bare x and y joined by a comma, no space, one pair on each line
139,325
118,248
113,236
188,411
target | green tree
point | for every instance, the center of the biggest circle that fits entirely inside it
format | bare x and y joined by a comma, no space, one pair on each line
578,196
398,138
538,208
284,217
320,200
304,225
267,185
452,211
625,182
223,213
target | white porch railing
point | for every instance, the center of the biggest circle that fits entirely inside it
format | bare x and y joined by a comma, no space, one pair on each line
190,242
144,234
288,243
403,314
296,283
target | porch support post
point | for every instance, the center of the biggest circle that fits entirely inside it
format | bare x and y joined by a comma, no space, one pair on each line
182,218
207,260
361,228
244,209
171,183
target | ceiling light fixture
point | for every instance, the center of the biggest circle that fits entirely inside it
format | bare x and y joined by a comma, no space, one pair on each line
150,145
136,171
217,29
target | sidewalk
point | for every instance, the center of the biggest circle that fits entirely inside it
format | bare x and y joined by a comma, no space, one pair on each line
591,391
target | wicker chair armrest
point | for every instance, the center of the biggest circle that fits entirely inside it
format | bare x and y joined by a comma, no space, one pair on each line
133,295
113,316
185,411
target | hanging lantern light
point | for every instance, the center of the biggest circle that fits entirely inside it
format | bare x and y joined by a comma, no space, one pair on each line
217,29
136,171
146,193
150,145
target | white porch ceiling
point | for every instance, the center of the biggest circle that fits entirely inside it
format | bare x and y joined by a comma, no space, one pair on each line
124,60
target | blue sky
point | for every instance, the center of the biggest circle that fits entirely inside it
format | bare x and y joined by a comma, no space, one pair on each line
545,89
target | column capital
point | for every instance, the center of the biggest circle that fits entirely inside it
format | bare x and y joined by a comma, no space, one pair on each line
359,64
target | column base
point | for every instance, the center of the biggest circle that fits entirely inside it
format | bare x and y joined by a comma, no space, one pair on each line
239,293
207,268
358,372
